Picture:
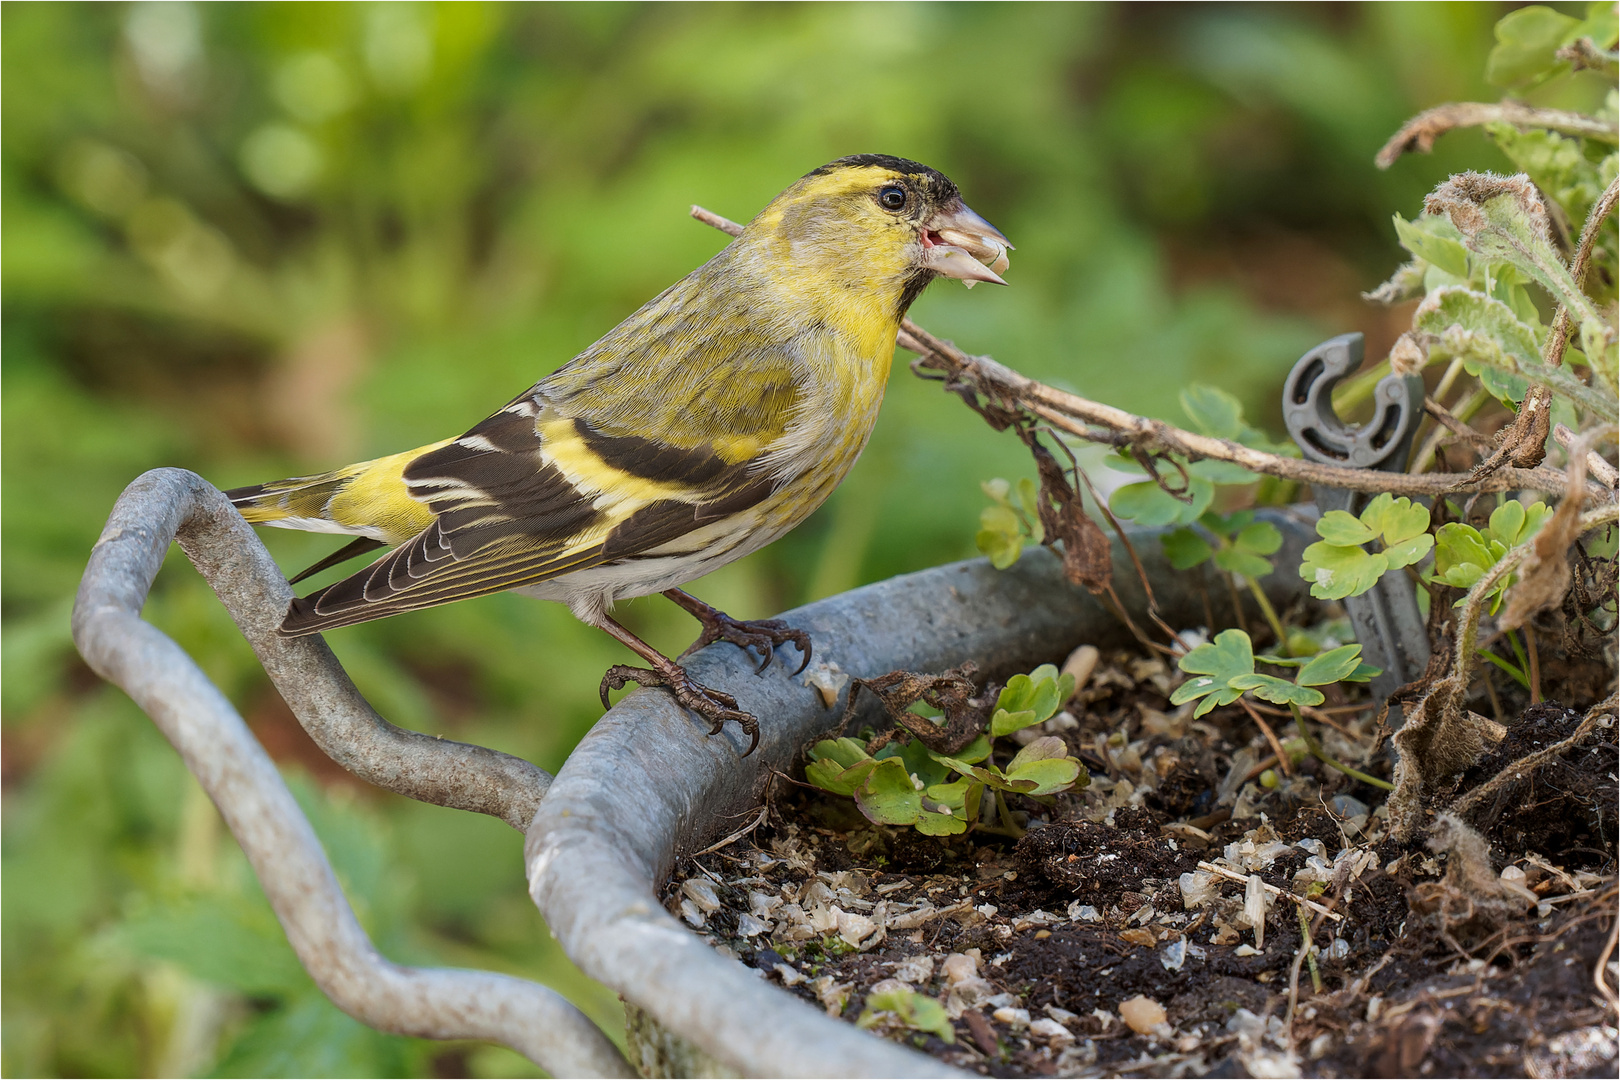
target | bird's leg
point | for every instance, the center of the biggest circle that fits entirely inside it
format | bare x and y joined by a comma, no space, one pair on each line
762,634
715,706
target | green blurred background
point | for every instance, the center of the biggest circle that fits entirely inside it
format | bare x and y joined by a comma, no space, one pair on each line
255,240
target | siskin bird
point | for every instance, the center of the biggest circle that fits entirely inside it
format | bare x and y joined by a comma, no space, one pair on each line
704,426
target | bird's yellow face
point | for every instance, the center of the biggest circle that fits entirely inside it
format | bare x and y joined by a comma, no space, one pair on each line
877,229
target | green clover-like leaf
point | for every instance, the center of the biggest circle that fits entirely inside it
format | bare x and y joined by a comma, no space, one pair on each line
1213,666
1149,505
952,796
1002,549
917,760
1458,544
1343,529
1330,666
1363,672
1336,572
1184,548
1278,691
1029,497
930,823
1005,723
1408,552
887,795
1231,653
1047,764
1213,411
1235,560
1396,520
1513,523
1050,776
843,752
1259,538
971,754
830,776
1527,41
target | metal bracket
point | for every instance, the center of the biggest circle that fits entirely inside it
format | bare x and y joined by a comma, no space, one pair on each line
1386,618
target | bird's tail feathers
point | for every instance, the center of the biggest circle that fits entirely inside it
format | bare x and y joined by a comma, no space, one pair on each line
296,502
370,499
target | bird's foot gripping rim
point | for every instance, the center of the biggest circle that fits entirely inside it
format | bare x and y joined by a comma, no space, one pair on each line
716,706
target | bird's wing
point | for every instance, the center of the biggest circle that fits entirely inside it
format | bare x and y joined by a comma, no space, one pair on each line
530,494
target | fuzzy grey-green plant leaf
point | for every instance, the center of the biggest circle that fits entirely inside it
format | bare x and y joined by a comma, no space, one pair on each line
1495,344
1503,218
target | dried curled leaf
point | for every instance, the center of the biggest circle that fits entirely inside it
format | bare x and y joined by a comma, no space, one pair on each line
1439,738
1546,573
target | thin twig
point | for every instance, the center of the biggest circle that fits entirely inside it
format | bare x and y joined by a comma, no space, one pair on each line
1233,875
1452,424
1533,669
1471,404
738,835
1419,133
1328,759
1595,464
1271,736
1597,972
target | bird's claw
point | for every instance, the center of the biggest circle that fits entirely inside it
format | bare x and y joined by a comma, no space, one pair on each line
762,635
716,706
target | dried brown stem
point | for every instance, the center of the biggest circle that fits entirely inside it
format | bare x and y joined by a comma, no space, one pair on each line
1443,416
1419,133
1589,232
1271,737
1606,473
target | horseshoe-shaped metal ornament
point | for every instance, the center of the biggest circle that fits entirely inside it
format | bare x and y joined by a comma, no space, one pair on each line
1386,618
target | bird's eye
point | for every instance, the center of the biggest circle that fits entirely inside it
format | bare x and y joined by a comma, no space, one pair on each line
893,198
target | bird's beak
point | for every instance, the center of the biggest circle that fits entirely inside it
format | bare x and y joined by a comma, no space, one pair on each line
960,244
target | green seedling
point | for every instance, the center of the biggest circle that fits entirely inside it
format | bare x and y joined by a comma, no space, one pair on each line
1240,547
1464,554
1339,565
941,795
1223,671
1013,518
919,1012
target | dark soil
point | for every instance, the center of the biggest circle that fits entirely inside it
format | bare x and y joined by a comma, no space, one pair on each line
1038,945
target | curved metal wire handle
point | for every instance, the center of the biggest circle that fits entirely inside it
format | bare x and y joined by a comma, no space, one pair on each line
237,774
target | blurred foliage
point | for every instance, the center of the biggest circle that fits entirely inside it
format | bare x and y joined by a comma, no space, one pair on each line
256,240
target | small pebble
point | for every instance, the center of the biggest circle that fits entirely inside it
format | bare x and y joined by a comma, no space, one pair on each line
1081,663
1348,806
701,893
1017,1018
1142,1014
1050,1030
